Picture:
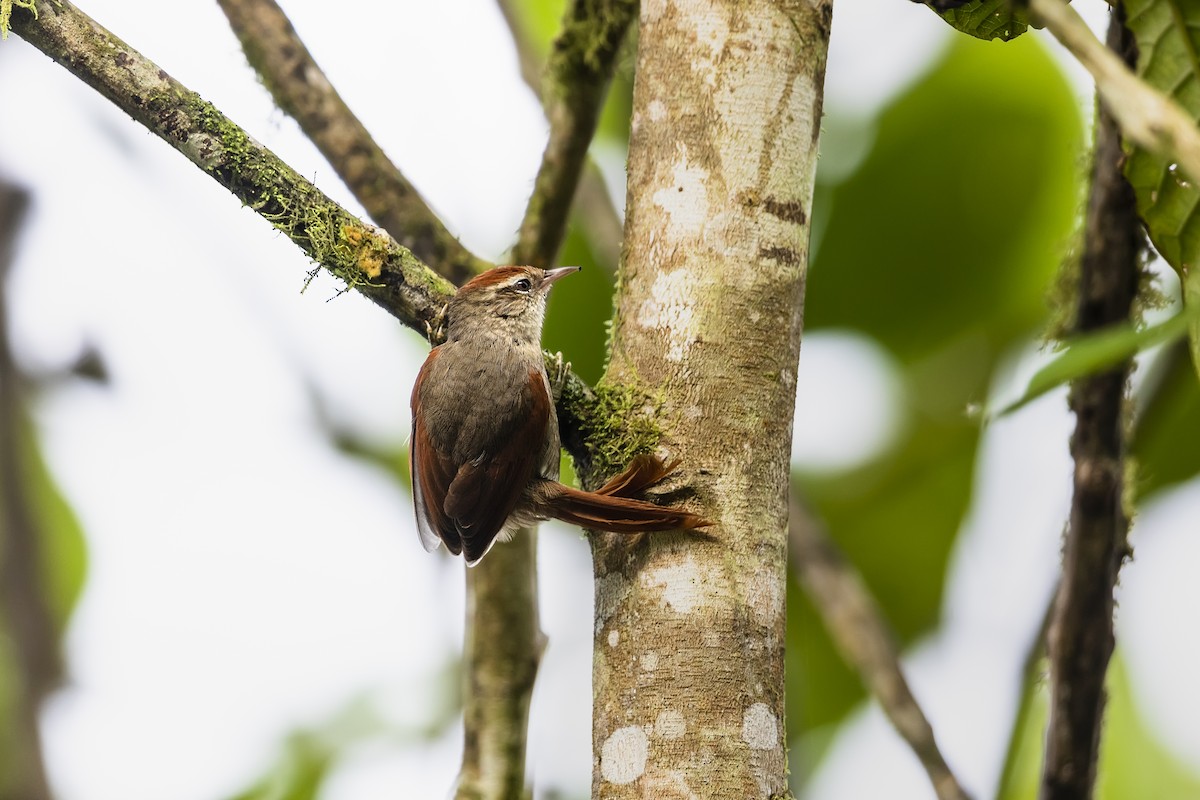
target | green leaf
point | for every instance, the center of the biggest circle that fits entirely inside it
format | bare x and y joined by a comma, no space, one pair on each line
1166,437
1088,355
988,19
1168,39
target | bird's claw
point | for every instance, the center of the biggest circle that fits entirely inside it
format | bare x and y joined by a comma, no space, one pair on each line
435,327
557,371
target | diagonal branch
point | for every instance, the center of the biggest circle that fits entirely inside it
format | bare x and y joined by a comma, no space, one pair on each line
578,73
1144,114
864,641
504,641
365,258
594,210
301,89
1081,628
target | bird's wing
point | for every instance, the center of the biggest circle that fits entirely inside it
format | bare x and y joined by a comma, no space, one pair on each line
486,489
431,474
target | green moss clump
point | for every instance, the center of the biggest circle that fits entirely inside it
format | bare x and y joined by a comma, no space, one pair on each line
622,423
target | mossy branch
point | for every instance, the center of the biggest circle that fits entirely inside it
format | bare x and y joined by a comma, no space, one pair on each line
578,73
365,258
300,88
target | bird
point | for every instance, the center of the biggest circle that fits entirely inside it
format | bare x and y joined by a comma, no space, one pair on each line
484,447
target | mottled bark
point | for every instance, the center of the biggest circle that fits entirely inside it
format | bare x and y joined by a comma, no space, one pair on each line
501,654
1081,628
689,684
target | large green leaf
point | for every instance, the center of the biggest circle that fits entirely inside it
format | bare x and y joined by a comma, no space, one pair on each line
1168,39
968,192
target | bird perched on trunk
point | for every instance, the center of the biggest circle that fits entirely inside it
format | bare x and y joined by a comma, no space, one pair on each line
484,450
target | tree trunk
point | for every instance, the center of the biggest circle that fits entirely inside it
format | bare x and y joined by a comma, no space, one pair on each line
688,674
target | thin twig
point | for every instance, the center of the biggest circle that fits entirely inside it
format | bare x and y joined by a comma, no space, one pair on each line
1081,630
864,640
28,625
301,89
1145,115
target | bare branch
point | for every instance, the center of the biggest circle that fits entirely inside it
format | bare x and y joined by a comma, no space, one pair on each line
300,88
1081,629
1144,114
594,208
577,78
864,640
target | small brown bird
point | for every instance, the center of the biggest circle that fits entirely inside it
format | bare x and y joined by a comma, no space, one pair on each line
484,449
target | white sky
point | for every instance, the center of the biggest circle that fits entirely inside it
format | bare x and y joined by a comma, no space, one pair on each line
195,648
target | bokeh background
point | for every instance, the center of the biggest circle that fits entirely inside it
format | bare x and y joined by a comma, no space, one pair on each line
221,482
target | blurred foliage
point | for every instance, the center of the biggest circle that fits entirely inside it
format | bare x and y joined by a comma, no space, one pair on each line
309,756
1132,762
970,190
1168,37
38,526
987,19
64,549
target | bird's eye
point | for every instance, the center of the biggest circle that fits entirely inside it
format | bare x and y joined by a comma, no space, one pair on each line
523,286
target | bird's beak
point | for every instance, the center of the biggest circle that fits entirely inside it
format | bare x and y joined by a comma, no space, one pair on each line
554,274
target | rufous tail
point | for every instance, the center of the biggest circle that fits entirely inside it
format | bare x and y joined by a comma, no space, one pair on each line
609,508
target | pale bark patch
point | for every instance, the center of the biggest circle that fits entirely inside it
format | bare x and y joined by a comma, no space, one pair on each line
670,724
684,197
764,595
760,728
670,785
623,756
614,637
681,584
671,308
650,661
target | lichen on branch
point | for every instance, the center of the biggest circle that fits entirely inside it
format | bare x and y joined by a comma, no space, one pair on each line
366,259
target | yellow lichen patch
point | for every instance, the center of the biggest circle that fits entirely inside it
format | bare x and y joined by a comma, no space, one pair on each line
6,7
367,249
